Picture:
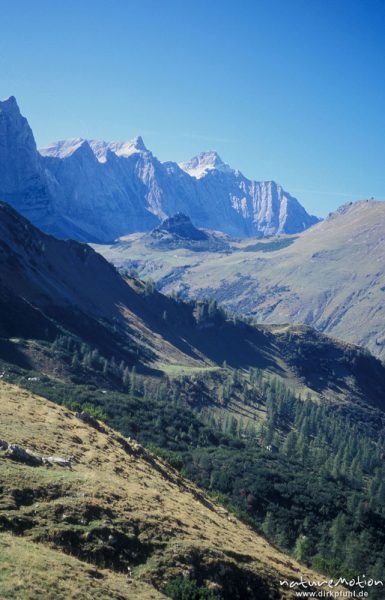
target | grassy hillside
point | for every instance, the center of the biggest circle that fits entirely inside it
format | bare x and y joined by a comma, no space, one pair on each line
119,523
331,276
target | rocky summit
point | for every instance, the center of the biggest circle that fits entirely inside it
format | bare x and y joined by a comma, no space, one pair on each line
179,225
179,232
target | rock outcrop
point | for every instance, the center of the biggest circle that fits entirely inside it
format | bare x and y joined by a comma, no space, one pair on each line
24,455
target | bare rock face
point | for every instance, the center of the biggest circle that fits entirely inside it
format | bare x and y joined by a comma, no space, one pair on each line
22,179
241,207
97,191
24,455
20,454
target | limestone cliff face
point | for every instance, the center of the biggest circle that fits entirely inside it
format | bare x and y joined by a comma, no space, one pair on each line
97,191
22,179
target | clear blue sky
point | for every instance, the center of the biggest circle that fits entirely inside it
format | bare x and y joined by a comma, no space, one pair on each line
290,90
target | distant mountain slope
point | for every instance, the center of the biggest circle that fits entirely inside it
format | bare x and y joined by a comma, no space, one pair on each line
331,277
120,521
51,287
97,191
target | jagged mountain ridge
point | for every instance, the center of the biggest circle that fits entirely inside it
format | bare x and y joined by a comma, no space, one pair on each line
97,191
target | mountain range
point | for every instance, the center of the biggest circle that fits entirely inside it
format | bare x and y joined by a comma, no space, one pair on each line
97,191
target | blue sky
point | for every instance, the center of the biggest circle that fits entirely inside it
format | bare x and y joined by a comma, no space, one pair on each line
290,90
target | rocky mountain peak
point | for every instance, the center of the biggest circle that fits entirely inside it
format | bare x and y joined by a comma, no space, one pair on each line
200,165
139,144
22,180
9,104
125,149
64,148
14,127
179,225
